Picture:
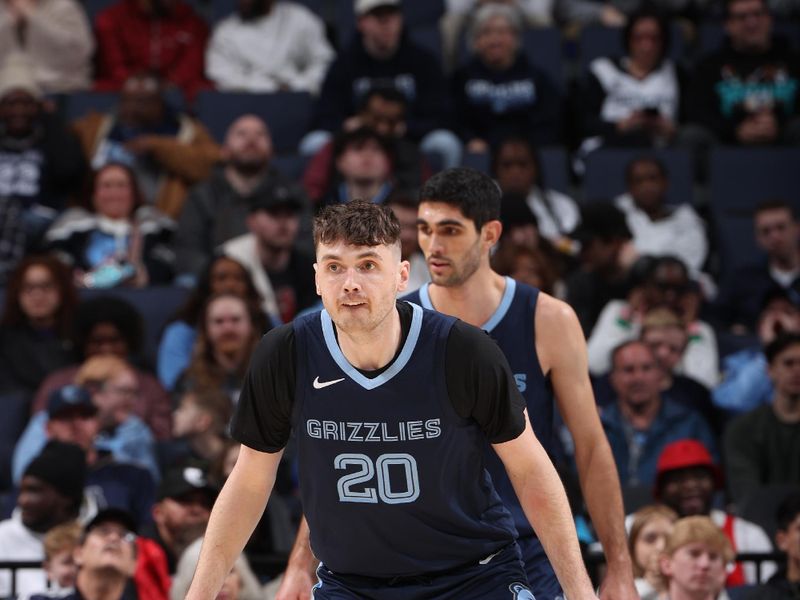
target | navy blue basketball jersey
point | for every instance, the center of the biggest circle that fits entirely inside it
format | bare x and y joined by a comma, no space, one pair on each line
512,327
393,481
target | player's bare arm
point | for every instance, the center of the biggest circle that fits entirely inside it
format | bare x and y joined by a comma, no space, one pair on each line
544,501
561,349
236,512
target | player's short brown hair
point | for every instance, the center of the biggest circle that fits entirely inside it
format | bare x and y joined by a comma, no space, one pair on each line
357,223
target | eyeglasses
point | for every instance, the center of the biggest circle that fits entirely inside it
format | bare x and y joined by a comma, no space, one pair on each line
107,530
37,286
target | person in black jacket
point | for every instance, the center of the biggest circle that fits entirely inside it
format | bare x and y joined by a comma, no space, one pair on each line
747,92
498,92
381,54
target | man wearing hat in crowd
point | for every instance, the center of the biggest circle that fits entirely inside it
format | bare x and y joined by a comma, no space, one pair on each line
106,560
381,54
686,480
181,513
72,418
51,493
605,260
282,272
40,162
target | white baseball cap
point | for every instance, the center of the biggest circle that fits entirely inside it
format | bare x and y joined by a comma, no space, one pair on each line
362,7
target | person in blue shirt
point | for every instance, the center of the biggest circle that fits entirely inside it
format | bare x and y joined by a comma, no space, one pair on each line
392,407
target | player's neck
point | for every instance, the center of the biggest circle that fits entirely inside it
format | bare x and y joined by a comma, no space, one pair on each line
371,350
474,301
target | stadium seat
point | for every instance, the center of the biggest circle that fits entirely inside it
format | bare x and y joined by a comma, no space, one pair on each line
290,165
554,166
740,178
429,37
287,114
596,41
605,173
543,47
760,504
78,104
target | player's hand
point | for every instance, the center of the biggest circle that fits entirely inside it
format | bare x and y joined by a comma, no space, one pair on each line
296,585
618,587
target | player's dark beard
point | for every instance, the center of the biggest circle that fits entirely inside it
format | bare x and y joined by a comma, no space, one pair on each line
252,9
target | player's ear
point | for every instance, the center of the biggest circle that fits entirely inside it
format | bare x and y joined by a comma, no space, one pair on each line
491,231
403,274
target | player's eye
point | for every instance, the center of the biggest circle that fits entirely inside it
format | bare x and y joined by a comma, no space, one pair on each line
333,268
368,266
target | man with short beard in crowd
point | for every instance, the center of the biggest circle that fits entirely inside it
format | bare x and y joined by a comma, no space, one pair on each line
269,46
216,210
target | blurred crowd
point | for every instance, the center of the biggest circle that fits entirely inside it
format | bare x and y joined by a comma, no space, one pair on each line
160,163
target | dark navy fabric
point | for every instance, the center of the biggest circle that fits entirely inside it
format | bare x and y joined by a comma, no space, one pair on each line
512,327
499,577
380,458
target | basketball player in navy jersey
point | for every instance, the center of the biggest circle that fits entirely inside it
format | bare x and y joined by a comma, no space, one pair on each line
392,406
458,224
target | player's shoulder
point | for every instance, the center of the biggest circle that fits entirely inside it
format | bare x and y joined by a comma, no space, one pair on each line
551,309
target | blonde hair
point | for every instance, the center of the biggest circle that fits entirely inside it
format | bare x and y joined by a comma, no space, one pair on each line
99,369
641,518
690,530
662,317
60,538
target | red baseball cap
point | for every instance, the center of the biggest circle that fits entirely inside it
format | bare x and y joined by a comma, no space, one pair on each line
684,454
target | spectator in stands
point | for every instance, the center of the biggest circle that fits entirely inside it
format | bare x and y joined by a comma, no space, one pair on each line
180,514
527,265
745,382
36,323
41,165
50,494
649,530
269,46
518,169
642,421
222,275
224,344
667,337
459,13
404,206
742,293
762,447
748,91
168,150
59,560
575,14
380,54
695,560
216,210
604,262
112,384
660,229
662,283
109,325
499,92
360,167
785,584
240,584
686,480
383,110
633,100
270,253
106,558
199,426
165,37
55,36
114,239
72,417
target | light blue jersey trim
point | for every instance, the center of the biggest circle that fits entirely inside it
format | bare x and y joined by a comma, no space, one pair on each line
353,373
497,316
505,304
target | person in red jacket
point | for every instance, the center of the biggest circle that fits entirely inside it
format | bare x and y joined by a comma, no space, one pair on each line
163,36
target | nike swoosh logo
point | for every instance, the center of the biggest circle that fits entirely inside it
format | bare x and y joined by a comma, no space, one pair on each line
486,560
318,385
